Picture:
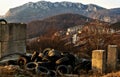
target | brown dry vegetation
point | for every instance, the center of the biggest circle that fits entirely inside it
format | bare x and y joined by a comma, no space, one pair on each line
97,35
58,22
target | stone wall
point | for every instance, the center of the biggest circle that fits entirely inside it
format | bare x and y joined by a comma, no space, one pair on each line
99,61
103,61
112,56
12,38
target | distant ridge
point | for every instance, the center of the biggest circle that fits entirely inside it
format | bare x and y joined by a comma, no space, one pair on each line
55,23
43,9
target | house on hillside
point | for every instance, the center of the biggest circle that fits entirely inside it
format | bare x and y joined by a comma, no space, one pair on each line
75,29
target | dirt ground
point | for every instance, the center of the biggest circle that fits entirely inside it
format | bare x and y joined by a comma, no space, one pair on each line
16,71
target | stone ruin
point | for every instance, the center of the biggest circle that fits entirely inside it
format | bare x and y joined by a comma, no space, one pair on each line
12,38
105,61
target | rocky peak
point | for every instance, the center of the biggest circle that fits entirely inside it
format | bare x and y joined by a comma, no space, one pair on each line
43,9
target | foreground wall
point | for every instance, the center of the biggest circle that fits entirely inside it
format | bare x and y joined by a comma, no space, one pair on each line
12,38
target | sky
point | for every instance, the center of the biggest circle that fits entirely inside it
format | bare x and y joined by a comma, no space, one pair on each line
5,5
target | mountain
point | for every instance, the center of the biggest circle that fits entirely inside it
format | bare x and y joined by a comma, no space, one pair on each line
43,9
56,23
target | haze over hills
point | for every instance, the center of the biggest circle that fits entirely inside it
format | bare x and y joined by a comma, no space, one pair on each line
55,23
43,9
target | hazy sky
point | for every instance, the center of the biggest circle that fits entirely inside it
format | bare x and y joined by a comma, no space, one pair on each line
6,4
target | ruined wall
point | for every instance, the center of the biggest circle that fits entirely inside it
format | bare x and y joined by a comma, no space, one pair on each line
12,38
112,57
99,61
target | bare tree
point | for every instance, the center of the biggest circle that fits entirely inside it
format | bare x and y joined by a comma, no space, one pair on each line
100,35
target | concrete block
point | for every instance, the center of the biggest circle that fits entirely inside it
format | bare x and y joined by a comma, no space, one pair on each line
13,47
4,33
0,32
99,61
112,56
0,49
13,32
12,38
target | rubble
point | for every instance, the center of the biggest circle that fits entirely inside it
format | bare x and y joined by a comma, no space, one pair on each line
50,62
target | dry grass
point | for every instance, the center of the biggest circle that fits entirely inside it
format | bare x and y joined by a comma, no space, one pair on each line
113,74
15,71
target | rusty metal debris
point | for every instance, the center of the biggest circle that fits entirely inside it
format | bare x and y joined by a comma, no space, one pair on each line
50,62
